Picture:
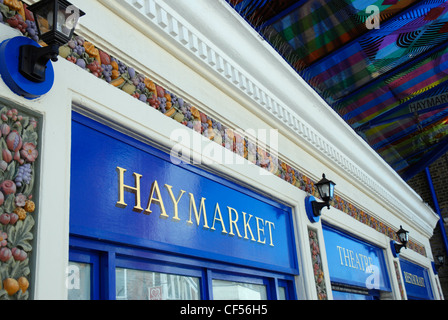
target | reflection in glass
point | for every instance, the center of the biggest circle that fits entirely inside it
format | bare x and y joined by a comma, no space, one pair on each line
145,285
229,290
281,293
78,281
61,23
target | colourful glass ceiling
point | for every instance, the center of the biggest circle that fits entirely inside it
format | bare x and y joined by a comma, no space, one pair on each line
385,74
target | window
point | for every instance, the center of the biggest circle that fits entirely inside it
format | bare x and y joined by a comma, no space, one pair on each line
146,285
106,271
231,290
79,281
82,280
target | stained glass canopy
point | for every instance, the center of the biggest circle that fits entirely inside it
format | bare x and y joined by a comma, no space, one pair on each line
382,65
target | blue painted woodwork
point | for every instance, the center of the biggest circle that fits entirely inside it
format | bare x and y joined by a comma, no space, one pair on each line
309,209
93,260
416,281
9,70
122,255
122,237
350,261
395,254
339,295
98,150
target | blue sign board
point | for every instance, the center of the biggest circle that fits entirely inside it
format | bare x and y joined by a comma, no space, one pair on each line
125,191
416,281
354,262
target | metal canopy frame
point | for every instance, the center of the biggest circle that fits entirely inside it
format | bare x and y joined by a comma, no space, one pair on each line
390,83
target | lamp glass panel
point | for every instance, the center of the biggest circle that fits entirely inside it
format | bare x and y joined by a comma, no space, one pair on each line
324,190
44,17
331,191
403,237
67,20
62,25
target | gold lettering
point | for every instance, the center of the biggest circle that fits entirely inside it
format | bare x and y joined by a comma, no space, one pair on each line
270,224
355,260
247,227
260,229
233,222
352,260
414,279
366,262
198,215
346,257
358,264
122,187
218,210
158,200
340,254
175,202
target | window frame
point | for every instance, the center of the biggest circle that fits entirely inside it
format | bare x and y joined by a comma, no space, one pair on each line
106,257
93,259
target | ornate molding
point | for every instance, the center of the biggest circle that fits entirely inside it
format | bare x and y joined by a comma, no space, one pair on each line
319,275
18,154
158,14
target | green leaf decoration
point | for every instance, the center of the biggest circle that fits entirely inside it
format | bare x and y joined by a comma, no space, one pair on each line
29,135
3,295
22,296
19,269
2,146
9,203
21,235
10,171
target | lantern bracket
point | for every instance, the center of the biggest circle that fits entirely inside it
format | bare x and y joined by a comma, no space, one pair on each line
33,61
325,188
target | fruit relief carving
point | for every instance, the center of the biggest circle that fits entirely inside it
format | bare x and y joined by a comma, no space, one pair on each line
18,155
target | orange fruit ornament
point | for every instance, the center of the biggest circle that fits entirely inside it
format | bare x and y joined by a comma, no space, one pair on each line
11,286
23,284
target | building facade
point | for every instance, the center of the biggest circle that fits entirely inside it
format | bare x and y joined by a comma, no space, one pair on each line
434,192
176,155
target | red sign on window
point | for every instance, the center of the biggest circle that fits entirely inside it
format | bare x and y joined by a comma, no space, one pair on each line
155,293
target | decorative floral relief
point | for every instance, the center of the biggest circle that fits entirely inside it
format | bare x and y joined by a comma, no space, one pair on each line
102,65
319,278
18,154
400,283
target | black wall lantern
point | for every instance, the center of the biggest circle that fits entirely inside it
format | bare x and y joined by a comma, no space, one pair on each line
325,188
56,21
440,261
403,238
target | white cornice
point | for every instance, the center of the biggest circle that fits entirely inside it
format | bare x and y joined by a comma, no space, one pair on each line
203,30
